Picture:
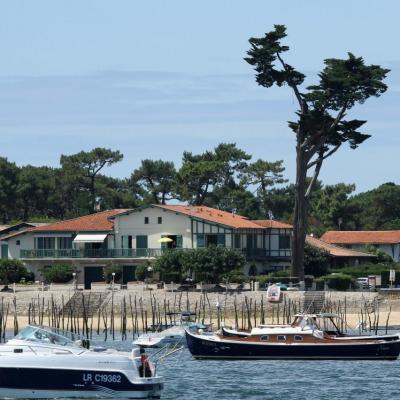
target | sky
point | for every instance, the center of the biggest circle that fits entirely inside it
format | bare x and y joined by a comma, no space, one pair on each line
155,78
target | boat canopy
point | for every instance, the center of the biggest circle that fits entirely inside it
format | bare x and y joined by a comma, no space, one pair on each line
46,335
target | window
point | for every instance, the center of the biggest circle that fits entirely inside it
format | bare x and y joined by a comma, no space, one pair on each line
146,220
238,241
64,243
44,243
264,338
159,220
200,240
284,242
281,338
298,338
18,242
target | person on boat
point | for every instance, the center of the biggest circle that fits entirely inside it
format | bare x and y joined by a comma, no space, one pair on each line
144,369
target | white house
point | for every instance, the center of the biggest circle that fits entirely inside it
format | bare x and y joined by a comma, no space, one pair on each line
387,241
131,237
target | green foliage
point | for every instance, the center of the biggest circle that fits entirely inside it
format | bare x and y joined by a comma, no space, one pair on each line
364,270
8,184
172,265
321,128
84,167
12,271
141,272
316,261
337,281
378,208
156,179
236,276
264,175
382,257
214,264
331,207
204,178
57,273
109,269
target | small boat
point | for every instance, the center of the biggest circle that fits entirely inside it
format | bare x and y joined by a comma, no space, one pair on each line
42,362
173,335
301,340
273,293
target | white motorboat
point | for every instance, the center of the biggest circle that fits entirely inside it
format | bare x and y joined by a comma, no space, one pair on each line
43,362
172,336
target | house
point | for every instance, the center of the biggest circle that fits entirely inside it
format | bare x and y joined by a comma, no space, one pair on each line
6,230
340,256
131,237
387,241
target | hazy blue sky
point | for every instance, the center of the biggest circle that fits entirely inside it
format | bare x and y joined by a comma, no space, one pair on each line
155,78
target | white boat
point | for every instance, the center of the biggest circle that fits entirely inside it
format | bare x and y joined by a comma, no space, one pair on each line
172,336
273,293
42,362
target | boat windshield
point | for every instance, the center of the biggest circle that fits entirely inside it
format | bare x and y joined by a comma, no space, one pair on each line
45,335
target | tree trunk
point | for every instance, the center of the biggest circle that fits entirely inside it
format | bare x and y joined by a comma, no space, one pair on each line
300,216
93,193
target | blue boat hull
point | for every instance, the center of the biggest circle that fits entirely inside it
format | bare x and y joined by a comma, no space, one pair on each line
72,383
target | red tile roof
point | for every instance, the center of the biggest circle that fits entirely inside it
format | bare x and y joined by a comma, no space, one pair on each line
361,237
212,214
336,251
98,222
270,223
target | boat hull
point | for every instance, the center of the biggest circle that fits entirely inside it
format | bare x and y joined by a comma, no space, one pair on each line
202,347
20,382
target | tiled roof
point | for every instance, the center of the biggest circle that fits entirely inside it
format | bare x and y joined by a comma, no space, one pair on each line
270,223
362,237
213,215
336,251
98,222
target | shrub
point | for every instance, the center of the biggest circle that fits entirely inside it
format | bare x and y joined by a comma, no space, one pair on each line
172,265
362,270
109,269
337,281
57,273
12,271
141,272
316,261
212,264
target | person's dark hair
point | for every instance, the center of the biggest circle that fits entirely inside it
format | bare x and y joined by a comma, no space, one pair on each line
142,350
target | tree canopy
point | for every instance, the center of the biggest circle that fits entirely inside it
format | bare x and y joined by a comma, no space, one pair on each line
321,127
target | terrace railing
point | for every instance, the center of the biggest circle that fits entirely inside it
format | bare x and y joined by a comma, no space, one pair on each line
90,253
249,253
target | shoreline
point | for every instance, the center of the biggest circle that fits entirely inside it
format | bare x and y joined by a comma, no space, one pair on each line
131,308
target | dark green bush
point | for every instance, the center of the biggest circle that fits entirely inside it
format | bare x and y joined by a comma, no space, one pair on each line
141,272
12,271
57,273
316,261
363,270
336,281
109,269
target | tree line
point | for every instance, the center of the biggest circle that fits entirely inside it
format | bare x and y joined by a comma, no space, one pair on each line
224,177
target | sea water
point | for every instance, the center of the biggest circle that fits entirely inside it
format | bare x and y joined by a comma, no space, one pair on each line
187,378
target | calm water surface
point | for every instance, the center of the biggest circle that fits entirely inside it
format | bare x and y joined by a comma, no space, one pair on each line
187,378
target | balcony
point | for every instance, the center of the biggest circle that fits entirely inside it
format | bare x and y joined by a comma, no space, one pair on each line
263,254
250,254
90,253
